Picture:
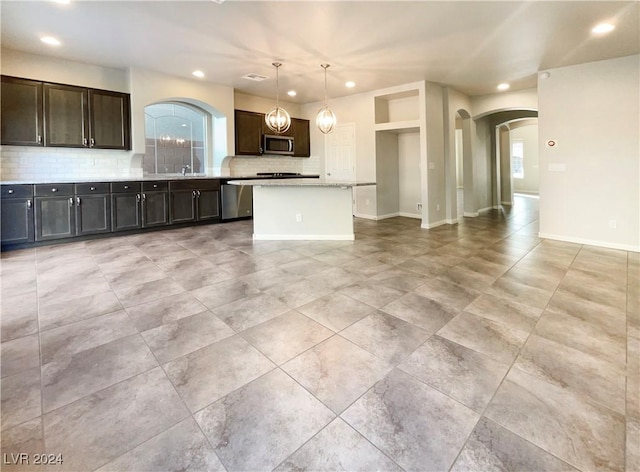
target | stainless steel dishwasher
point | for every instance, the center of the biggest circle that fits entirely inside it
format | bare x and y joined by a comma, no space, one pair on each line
237,201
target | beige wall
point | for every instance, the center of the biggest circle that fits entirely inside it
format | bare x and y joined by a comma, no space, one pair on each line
409,174
51,69
529,136
242,101
592,176
148,87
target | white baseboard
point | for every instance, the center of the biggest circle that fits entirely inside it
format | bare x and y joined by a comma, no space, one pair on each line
365,216
388,215
304,237
433,225
590,242
471,215
506,203
410,215
452,222
481,210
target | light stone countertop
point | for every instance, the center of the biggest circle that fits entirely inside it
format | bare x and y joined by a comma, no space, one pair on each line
300,183
145,178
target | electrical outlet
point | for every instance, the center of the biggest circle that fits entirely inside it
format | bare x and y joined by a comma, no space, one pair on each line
613,224
419,206
298,217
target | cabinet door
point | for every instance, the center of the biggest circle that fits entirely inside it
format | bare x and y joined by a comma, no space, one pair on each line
17,221
208,204
183,206
66,112
300,132
110,119
155,209
21,112
93,214
55,218
248,132
125,211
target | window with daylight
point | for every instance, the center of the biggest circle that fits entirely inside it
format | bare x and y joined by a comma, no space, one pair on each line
175,138
517,159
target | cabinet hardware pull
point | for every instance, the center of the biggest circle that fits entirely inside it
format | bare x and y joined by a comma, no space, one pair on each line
198,193
54,189
39,139
144,197
193,193
126,187
84,141
28,204
138,197
93,141
155,185
78,201
92,189
70,201
10,191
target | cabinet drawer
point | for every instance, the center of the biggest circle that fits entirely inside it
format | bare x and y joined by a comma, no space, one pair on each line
53,190
155,186
195,184
17,191
88,189
125,187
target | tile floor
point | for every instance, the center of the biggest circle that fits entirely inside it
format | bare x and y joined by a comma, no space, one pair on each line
476,346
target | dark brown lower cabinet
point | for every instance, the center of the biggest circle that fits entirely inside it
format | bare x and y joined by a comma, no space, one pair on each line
155,204
126,211
43,212
55,216
16,214
93,208
194,200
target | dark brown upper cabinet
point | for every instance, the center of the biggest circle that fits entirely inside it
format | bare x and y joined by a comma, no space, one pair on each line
250,127
66,116
72,116
21,112
300,132
110,120
249,130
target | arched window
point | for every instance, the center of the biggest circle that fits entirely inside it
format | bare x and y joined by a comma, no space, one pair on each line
175,138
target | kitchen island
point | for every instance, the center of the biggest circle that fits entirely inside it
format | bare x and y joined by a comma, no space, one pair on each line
302,209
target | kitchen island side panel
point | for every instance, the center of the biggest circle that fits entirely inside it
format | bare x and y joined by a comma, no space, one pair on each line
302,213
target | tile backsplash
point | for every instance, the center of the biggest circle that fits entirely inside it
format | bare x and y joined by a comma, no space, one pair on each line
23,163
241,165
33,164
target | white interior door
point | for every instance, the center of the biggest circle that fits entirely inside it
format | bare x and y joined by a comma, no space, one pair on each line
340,145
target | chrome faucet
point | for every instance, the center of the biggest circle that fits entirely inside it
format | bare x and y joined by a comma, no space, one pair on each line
185,169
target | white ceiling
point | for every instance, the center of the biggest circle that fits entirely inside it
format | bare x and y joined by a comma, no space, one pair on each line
471,45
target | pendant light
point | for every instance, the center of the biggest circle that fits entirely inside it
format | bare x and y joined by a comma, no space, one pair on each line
325,120
277,119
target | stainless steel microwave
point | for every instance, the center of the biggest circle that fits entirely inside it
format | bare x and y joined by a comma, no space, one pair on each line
274,144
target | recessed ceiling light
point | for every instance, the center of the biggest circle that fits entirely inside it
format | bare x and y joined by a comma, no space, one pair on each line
603,28
350,84
50,40
198,73
292,93
503,87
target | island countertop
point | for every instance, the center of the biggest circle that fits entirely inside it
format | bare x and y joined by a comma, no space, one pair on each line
300,183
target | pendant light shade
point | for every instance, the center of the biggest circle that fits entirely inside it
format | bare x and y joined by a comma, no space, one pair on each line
326,119
277,119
